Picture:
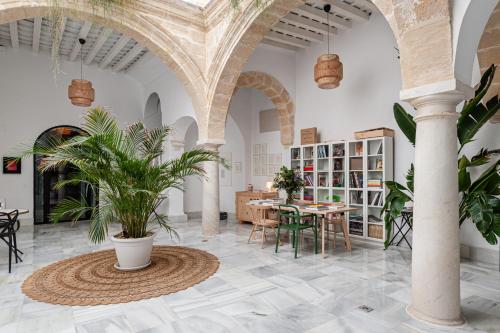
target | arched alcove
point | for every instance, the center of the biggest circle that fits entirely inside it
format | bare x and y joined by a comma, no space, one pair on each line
152,112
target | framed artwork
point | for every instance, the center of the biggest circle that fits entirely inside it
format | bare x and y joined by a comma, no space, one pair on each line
237,168
225,177
11,165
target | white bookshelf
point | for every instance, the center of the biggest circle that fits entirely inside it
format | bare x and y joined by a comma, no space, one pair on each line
348,171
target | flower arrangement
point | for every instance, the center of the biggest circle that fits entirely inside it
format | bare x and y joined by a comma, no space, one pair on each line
289,181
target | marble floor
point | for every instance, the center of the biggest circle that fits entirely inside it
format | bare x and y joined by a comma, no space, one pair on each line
255,290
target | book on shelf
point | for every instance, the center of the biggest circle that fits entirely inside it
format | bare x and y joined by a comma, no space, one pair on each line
377,199
308,197
308,167
356,179
308,180
322,180
317,207
356,197
322,151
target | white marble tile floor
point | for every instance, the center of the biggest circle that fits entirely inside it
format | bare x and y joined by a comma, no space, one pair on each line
255,290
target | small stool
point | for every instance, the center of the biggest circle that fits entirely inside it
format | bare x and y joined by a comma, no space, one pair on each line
259,220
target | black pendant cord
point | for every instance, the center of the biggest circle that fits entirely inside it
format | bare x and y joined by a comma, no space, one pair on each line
82,42
327,8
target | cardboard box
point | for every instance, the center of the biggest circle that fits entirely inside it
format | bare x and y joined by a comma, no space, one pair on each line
374,133
309,136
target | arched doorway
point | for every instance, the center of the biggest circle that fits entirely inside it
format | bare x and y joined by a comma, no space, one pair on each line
152,113
45,195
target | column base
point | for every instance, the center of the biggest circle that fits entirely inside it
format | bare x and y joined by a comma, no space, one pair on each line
412,312
178,218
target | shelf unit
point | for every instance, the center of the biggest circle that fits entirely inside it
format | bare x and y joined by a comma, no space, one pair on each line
352,172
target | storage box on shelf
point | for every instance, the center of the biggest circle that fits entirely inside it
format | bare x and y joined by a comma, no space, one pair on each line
350,171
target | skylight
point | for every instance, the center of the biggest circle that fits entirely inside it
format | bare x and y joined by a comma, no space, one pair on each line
199,3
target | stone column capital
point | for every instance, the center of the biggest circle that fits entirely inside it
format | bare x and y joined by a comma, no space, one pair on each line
211,144
177,144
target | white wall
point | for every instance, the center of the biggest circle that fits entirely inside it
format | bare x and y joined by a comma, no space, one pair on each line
31,102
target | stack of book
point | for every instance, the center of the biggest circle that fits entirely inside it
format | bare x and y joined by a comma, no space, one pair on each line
374,219
308,167
374,183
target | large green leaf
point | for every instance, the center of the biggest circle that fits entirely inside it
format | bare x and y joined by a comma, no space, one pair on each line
405,122
410,178
474,114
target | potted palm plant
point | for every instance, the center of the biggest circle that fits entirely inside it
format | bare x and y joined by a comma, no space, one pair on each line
122,167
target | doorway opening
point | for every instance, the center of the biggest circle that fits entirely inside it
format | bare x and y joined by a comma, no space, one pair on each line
45,195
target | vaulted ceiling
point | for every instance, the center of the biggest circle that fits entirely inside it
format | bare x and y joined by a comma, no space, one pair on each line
308,24
104,47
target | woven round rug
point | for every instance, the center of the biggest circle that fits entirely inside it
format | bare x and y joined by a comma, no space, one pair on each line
91,279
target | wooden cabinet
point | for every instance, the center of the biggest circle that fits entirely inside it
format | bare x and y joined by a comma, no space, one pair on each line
243,213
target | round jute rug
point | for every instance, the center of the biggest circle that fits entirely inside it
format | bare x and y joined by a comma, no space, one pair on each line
91,279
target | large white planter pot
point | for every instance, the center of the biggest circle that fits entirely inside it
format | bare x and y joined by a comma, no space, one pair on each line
133,253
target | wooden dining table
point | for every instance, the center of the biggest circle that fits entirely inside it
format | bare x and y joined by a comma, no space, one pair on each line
322,213
21,211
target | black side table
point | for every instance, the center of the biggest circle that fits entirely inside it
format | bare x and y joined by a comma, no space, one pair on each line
406,222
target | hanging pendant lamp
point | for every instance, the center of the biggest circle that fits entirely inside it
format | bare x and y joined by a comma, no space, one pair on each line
80,92
328,71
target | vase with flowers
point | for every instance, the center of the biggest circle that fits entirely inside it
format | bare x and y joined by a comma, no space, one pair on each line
288,180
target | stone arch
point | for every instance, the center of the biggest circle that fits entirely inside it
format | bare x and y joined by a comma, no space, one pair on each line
138,21
152,112
180,127
422,31
275,91
470,22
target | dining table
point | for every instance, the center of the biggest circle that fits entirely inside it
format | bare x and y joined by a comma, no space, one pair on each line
321,213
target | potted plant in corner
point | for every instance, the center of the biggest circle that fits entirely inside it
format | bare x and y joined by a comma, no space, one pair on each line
289,181
122,167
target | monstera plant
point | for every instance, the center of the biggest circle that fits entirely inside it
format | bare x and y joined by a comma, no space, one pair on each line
479,202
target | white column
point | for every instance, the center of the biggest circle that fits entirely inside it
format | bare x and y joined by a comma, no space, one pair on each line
436,245
175,196
211,208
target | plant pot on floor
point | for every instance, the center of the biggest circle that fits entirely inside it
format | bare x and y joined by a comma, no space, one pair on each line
133,253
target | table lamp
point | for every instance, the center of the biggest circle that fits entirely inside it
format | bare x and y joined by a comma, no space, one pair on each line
269,186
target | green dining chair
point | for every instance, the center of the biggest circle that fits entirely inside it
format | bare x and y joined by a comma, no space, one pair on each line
290,219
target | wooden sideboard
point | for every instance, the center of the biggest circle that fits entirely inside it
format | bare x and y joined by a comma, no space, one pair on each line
243,213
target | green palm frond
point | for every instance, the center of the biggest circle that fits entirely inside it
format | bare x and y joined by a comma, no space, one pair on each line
120,166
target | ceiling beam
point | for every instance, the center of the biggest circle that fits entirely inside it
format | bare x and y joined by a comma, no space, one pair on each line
308,24
272,35
298,32
84,31
320,15
366,3
279,44
114,51
37,29
127,58
344,9
14,35
103,36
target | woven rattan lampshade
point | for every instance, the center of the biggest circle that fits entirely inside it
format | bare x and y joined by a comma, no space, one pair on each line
81,93
328,71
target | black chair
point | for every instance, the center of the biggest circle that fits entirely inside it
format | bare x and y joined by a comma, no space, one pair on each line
9,225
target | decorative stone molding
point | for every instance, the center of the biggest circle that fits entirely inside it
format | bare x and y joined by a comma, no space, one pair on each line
277,93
